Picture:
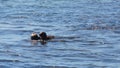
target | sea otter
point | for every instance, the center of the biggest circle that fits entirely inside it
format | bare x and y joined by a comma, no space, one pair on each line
34,36
42,36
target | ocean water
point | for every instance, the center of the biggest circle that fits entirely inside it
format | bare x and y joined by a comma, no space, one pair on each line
87,33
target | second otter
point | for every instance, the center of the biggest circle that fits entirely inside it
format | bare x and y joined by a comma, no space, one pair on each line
44,37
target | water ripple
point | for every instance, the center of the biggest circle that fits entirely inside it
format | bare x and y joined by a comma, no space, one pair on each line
86,33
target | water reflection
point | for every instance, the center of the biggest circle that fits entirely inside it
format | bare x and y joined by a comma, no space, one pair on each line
43,42
36,42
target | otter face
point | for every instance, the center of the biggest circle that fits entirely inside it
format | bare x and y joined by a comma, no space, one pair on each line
34,36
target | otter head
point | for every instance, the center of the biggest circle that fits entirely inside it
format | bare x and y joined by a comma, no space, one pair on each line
34,36
43,36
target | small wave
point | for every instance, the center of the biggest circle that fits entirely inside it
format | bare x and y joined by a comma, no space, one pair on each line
43,66
102,28
16,17
4,66
69,50
111,60
117,31
7,60
68,37
65,39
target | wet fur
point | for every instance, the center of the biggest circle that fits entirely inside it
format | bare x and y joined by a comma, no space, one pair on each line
42,36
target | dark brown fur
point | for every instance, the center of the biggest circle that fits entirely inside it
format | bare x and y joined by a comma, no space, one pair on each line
35,37
43,36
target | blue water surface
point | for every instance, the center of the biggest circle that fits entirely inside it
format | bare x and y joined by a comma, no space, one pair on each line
87,33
